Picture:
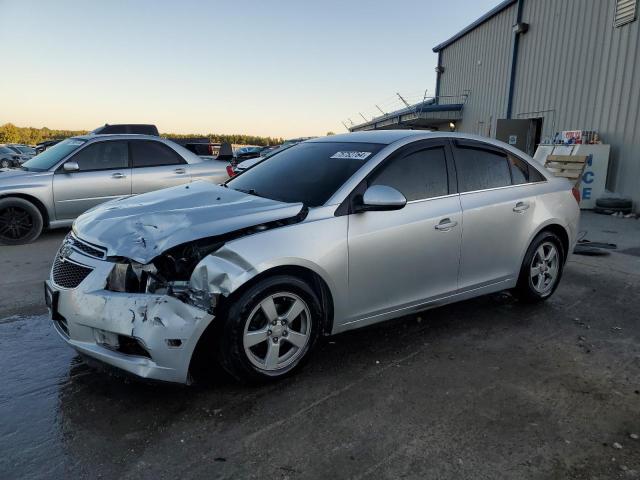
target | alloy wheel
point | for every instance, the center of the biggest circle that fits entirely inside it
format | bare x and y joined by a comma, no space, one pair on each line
544,268
277,331
15,223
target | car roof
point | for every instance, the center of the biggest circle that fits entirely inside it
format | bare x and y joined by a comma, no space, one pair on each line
387,137
384,137
186,154
125,136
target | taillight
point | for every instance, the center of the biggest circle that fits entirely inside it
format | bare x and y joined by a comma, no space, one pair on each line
576,194
230,171
210,149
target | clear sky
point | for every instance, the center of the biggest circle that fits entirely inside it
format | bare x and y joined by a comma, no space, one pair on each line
280,68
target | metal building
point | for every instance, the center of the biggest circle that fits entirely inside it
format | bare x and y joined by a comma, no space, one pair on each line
560,64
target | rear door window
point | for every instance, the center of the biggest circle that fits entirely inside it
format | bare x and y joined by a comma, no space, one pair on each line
481,169
108,155
147,153
519,170
418,175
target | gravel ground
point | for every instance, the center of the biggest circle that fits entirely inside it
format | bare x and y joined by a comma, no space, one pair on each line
487,388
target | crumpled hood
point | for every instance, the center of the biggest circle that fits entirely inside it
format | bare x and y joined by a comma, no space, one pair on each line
143,226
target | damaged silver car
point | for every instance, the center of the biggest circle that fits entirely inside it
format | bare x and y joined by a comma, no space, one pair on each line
330,235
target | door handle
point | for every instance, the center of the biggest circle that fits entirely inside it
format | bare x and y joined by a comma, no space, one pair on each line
118,175
445,225
179,171
521,207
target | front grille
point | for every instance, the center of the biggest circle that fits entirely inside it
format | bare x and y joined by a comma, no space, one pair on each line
68,274
91,250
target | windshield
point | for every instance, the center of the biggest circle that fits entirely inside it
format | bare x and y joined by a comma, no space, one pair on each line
47,159
25,149
308,172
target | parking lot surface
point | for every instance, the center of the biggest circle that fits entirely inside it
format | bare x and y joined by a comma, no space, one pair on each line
488,388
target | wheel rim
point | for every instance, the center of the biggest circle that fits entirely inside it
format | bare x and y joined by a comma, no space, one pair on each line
15,223
277,331
544,268
4,164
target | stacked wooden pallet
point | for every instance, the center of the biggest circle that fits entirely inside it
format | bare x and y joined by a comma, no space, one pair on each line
567,166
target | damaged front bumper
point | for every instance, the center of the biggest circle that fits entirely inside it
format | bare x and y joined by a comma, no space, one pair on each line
149,335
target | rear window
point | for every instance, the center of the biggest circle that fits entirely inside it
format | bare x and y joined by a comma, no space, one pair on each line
147,153
480,169
308,172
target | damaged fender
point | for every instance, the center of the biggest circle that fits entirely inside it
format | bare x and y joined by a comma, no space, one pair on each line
221,273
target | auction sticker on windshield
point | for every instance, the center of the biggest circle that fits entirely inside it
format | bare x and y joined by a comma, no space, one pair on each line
351,155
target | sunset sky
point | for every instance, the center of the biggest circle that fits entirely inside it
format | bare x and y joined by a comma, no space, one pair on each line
278,68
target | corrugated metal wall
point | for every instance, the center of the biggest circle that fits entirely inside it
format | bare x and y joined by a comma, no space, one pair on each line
574,62
478,64
575,69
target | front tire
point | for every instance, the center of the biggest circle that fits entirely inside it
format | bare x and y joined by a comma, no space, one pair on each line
4,163
268,331
20,221
541,268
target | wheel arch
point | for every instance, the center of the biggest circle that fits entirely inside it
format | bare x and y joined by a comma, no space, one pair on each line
313,278
555,227
36,201
202,353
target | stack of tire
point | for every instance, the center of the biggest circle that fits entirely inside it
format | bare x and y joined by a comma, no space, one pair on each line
611,205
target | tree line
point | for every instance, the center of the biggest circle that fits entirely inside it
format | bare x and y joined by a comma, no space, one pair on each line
9,133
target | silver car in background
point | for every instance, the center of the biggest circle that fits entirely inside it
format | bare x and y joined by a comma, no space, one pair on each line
25,151
9,157
330,235
78,173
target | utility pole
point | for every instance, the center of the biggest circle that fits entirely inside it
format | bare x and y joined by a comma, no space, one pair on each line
364,118
403,100
345,126
351,122
383,113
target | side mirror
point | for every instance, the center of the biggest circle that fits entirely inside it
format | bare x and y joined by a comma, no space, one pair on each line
71,167
381,198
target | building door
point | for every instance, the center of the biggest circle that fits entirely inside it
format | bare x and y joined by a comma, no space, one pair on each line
524,134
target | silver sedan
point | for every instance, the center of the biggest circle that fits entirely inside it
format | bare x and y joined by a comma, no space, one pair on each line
56,186
330,235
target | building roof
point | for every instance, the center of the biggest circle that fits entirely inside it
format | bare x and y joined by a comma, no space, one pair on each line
421,115
490,14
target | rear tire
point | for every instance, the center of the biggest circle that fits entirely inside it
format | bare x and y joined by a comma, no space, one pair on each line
20,221
4,163
268,331
541,268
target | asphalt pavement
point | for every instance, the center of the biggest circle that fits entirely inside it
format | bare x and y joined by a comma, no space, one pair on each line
488,388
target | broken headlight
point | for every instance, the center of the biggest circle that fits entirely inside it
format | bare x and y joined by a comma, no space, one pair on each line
167,274
132,277
179,262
